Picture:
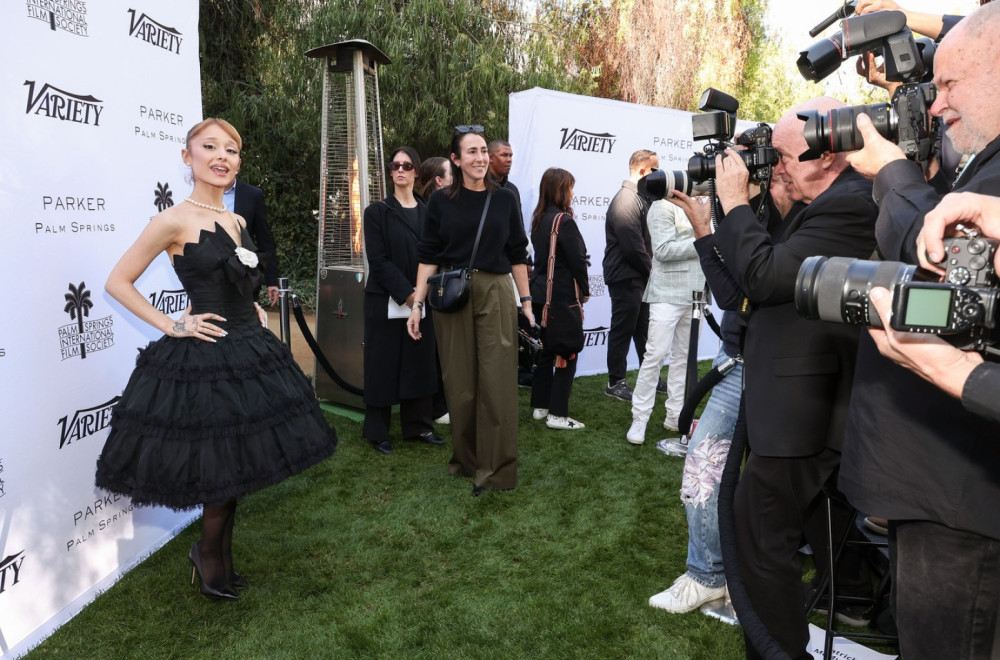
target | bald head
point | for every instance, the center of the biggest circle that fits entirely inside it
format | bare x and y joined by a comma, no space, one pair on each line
806,180
966,69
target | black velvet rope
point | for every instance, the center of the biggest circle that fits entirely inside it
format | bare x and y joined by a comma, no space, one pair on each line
754,630
318,352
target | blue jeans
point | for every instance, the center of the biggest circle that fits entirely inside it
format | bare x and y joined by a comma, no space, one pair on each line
706,458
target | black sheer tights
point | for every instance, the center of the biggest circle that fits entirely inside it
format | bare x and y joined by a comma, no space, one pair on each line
216,544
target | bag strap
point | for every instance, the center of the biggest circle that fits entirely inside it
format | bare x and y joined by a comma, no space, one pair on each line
553,239
479,232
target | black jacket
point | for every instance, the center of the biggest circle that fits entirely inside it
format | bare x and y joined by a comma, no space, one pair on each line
627,246
249,203
797,372
912,451
391,248
396,367
570,263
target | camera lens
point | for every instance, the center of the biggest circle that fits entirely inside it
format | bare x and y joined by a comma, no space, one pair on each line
837,288
660,184
837,130
821,59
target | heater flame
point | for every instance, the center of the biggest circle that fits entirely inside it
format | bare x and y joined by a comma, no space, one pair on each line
355,207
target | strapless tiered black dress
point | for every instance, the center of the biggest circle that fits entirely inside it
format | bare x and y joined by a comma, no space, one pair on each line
202,422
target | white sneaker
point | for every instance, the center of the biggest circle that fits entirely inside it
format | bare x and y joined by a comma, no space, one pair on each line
671,424
721,610
686,595
637,432
443,419
564,423
539,413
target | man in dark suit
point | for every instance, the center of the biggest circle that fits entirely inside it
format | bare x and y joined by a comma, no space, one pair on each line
913,454
797,373
247,201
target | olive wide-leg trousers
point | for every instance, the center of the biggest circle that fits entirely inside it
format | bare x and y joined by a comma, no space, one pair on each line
478,349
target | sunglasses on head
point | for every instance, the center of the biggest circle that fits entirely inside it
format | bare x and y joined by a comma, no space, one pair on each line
473,128
406,167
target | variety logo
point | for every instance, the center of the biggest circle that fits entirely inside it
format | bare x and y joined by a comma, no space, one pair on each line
85,423
595,336
10,570
82,337
55,103
163,197
578,140
146,29
169,302
67,15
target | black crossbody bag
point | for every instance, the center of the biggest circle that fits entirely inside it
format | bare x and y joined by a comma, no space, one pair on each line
449,291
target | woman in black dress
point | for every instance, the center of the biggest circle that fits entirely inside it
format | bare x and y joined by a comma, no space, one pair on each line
477,344
554,374
217,407
398,369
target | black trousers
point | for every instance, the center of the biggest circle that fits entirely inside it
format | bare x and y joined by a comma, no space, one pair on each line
946,591
414,416
775,501
629,323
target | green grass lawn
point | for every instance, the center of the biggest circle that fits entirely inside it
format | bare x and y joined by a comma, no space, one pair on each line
368,555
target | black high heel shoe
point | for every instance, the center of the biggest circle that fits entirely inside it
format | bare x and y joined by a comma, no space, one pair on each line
225,593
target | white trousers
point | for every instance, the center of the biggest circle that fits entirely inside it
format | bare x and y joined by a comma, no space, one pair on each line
669,334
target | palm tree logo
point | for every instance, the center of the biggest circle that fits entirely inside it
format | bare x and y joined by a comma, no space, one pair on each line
78,305
163,197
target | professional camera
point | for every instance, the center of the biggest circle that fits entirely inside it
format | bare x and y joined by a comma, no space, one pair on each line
906,120
963,309
718,126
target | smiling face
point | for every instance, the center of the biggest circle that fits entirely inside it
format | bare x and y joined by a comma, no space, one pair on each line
472,159
213,155
967,98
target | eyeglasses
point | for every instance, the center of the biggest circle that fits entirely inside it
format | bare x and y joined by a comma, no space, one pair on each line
472,128
406,167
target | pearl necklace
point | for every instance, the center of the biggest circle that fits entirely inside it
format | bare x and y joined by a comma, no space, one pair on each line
217,209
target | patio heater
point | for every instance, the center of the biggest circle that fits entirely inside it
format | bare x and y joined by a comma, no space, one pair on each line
351,176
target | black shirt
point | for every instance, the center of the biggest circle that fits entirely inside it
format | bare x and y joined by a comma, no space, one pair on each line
450,231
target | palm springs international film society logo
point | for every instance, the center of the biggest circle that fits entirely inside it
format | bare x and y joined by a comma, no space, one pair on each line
81,338
66,15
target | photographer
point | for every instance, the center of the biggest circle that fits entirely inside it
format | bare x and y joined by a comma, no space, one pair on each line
915,455
962,374
797,373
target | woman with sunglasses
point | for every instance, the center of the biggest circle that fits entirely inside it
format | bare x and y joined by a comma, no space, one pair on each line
398,369
478,344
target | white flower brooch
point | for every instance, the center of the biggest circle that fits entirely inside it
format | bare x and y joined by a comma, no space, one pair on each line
247,257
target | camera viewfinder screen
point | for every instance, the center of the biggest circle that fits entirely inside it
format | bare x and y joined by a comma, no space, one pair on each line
927,307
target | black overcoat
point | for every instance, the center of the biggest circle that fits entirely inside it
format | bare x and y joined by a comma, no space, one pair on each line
396,366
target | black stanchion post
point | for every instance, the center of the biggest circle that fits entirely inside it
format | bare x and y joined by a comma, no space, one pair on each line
283,291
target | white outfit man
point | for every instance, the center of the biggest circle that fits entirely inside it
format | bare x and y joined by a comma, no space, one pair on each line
675,274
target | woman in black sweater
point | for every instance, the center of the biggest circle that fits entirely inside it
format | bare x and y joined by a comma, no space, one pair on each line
478,344
397,368
554,373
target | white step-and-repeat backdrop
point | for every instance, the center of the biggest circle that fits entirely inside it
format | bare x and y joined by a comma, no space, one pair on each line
97,96
593,139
